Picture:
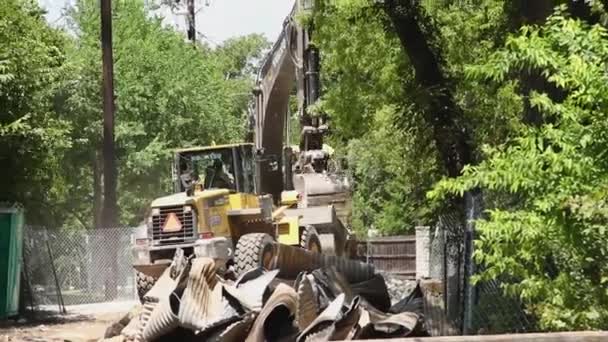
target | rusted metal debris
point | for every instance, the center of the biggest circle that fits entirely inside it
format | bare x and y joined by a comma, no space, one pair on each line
291,261
337,301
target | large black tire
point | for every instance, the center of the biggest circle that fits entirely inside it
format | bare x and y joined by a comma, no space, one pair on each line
309,239
253,251
328,242
144,283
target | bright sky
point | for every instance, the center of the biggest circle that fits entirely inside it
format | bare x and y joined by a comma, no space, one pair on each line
220,20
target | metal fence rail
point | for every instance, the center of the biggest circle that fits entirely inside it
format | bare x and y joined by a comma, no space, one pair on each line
393,254
73,266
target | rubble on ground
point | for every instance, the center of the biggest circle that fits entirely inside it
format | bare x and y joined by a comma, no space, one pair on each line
190,302
398,287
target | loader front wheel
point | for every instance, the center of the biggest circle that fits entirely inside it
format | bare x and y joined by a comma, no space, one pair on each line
309,240
144,284
254,250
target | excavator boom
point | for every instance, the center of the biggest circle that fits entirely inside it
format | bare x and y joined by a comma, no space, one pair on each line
292,58
324,195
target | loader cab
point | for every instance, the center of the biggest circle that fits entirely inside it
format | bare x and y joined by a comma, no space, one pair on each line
216,167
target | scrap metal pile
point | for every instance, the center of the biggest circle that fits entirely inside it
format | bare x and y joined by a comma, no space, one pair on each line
191,302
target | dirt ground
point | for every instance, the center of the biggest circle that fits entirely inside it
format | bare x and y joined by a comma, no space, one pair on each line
83,323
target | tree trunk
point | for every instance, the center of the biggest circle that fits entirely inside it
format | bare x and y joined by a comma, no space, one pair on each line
440,110
418,39
526,12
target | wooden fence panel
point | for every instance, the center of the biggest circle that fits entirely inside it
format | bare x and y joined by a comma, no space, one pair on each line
393,254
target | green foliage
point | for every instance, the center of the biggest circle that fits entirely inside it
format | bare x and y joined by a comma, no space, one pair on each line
390,194
241,56
32,138
363,68
545,187
366,73
366,77
168,95
482,26
546,226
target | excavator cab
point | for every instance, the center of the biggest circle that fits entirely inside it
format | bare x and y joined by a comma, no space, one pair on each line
215,167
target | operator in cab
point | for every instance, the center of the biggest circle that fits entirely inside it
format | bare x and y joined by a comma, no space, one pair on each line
216,177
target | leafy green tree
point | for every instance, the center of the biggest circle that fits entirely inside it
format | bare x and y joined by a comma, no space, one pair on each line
390,193
32,137
240,56
168,95
366,81
546,187
366,71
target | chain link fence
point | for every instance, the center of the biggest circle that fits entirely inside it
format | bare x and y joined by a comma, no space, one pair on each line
494,312
447,264
480,308
64,267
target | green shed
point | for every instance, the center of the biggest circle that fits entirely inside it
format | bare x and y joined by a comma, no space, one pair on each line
11,238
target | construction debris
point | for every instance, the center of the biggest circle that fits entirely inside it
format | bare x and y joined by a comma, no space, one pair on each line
190,302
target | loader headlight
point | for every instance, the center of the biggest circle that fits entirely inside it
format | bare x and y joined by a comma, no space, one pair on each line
187,209
141,242
155,212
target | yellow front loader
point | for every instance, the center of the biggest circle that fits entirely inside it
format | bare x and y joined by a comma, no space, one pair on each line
216,213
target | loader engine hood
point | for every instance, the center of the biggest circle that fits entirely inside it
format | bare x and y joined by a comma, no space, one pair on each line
171,200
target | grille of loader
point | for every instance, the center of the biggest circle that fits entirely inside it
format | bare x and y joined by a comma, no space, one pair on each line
170,237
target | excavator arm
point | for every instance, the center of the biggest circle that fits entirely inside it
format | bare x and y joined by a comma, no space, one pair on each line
291,59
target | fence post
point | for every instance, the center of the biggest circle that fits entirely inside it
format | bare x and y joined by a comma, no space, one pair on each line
423,252
473,212
57,282
371,233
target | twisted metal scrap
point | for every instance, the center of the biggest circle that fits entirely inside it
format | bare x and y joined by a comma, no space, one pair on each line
131,330
144,318
159,294
323,327
406,321
307,307
346,327
236,331
118,338
291,261
316,291
376,324
201,302
250,293
168,280
163,318
283,298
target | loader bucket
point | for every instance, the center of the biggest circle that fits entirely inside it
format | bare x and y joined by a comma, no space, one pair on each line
153,270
